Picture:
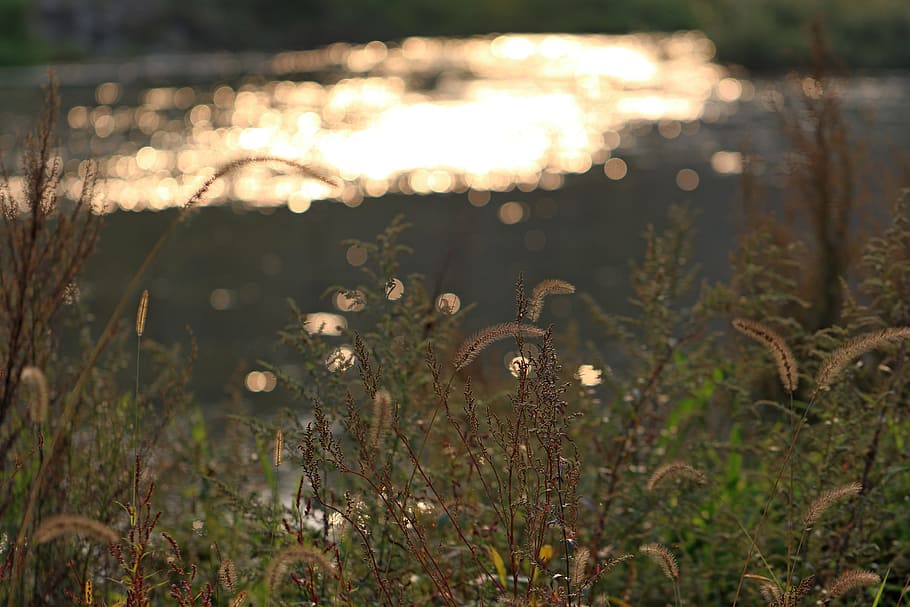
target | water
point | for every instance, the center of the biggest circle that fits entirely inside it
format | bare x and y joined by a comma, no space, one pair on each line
543,154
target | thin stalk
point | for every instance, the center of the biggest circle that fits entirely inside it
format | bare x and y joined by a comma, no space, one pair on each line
136,415
780,473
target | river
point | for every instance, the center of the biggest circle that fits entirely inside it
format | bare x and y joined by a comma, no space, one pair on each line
541,154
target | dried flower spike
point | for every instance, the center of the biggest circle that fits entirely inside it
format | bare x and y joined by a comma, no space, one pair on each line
142,312
37,405
661,555
851,580
774,343
473,346
824,501
840,358
675,470
547,287
89,593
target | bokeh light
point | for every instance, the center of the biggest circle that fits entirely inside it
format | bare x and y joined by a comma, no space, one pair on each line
448,303
515,110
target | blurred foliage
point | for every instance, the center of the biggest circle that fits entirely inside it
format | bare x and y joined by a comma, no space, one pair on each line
759,34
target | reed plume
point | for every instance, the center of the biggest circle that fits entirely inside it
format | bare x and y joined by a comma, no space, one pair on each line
551,286
274,574
675,470
473,346
824,501
37,404
73,524
851,580
841,357
774,343
661,555
239,599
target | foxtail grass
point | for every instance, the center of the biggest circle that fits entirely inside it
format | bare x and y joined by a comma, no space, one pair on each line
775,344
73,524
835,364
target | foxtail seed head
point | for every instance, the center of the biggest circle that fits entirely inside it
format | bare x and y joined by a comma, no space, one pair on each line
142,312
279,447
37,404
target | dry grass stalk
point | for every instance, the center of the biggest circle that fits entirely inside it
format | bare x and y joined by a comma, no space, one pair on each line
236,164
851,580
274,574
278,451
840,358
473,346
824,501
142,312
774,343
551,286
661,555
73,524
37,405
675,470
382,418
613,562
228,575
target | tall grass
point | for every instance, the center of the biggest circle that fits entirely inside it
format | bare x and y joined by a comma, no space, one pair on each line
757,460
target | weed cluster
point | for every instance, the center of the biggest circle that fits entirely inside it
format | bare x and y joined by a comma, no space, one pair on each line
412,471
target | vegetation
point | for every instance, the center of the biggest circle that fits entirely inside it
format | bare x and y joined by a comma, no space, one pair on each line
759,34
741,449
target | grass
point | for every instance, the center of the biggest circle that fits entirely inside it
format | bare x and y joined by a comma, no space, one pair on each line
735,450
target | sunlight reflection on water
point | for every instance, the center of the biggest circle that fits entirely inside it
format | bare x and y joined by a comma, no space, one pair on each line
426,116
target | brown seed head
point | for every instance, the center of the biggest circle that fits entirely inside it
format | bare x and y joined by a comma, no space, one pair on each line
73,524
774,343
675,470
275,573
841,357
227,575
851,580
142,312
279,447
551,286
824,501
661,555
37,404
473,346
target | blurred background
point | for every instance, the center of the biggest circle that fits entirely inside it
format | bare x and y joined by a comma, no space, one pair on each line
516,136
